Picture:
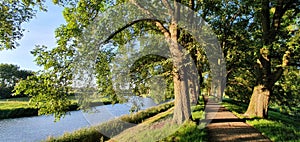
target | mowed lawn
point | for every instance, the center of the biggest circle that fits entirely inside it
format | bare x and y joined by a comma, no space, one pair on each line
14,103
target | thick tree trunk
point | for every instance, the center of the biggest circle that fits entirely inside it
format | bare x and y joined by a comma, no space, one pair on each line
258,105
266,79
259,101
182,110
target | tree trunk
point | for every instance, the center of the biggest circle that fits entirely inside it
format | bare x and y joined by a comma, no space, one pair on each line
182,110
258,105
194,85
259,101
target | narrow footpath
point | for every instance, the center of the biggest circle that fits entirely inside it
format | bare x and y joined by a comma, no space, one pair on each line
223,125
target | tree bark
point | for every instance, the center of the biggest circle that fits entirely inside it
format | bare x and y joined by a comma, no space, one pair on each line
182,110
194,87
259,101
258,105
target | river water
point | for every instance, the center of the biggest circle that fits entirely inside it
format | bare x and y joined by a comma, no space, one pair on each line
29,129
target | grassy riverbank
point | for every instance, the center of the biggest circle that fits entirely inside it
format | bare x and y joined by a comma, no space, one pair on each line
277,127
111,128
147,125
20,107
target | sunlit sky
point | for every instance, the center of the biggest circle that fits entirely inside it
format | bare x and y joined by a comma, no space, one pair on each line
39,31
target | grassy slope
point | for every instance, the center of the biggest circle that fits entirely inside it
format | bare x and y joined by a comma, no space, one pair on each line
153,124
278,127
111,128
160,128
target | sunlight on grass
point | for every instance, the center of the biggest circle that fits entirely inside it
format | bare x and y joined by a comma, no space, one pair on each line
278,127
148,132
13,103
161,128
188,132
276,131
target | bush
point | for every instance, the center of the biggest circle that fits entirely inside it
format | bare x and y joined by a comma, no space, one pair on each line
18,112
85,134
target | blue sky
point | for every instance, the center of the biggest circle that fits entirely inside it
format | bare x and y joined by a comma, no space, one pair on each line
39,31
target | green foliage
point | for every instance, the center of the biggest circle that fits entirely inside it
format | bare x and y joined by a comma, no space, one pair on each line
46,93
13,13
287,92
20,107
10,75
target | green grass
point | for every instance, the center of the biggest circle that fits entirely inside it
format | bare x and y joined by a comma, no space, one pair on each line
275,130
16,107
277,127
14,103
111,128
161,128
153,124
188,132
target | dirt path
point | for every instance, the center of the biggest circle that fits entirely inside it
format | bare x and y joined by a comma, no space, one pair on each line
225,126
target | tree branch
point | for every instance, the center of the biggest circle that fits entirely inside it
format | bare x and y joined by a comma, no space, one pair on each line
158,24
192,4
280,10
128,25
170,10
265,19
285,61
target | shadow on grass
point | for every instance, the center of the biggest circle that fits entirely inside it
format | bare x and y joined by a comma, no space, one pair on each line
278,127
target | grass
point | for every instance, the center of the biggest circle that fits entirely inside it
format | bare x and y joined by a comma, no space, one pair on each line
150,130
277,127
153,124
188,132
161,128
14,103
111,128
16,107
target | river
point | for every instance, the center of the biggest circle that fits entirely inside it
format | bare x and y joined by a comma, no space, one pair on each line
37,128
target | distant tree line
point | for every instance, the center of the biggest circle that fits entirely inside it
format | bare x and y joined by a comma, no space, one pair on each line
10,75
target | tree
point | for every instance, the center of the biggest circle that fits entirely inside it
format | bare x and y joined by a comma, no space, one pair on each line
275,53
248,31
79,16
13,13
10,75
171,32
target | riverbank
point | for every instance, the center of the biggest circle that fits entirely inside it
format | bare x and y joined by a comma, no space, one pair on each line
111,128
148,125
20,107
